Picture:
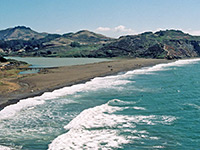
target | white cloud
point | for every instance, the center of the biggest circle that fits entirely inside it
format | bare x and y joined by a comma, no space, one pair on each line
116,31
122,28
103,29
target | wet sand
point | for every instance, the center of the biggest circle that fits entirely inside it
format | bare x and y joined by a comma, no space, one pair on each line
55,78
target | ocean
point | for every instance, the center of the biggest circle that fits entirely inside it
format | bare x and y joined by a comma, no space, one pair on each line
146,109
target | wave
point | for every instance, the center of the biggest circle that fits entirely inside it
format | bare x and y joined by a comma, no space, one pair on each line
162,67
192,105
102,127
4,148
111,82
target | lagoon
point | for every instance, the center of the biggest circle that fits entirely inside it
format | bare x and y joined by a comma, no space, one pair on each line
46,62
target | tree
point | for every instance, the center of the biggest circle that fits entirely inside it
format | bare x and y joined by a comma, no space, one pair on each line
75,44
49,52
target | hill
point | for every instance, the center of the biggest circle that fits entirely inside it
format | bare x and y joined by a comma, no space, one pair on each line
23,41
85,37
20,33
170,44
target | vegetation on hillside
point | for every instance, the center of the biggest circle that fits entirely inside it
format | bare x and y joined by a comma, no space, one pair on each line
50,45
170,44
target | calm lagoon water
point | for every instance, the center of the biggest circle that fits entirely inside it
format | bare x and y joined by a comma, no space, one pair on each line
45,62
146,109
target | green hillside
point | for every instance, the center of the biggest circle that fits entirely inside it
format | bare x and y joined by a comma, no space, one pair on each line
170,44
23,41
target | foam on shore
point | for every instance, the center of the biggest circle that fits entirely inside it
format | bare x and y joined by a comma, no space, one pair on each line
4,148
95,84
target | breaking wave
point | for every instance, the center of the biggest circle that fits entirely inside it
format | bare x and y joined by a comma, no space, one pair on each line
102,128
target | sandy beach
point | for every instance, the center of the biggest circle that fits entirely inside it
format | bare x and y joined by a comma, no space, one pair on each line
55,78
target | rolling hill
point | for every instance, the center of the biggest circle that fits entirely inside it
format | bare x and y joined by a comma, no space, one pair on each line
20,33
23,41
169,44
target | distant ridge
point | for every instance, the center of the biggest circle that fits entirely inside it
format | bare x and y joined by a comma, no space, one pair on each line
23,41
169,44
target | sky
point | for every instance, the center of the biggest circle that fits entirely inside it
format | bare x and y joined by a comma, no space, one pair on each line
109,17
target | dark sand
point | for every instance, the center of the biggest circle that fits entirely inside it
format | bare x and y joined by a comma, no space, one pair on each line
51,79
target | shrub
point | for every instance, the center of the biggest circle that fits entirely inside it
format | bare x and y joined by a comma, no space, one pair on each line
75,44
3,59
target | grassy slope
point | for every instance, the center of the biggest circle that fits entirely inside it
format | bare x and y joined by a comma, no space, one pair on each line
8,75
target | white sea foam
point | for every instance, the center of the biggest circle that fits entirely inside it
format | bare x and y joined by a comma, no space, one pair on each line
98,128
162,67
92,129
94,84
97,83
11,110
193,105
139,108
117,102
158,147
4,148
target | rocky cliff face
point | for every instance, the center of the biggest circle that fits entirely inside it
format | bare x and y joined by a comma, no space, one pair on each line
168,44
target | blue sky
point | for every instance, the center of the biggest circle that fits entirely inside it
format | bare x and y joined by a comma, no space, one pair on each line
110,17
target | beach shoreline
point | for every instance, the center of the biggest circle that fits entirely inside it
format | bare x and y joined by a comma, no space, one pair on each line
51,79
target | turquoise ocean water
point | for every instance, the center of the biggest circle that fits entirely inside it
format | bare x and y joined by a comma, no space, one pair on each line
150,108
